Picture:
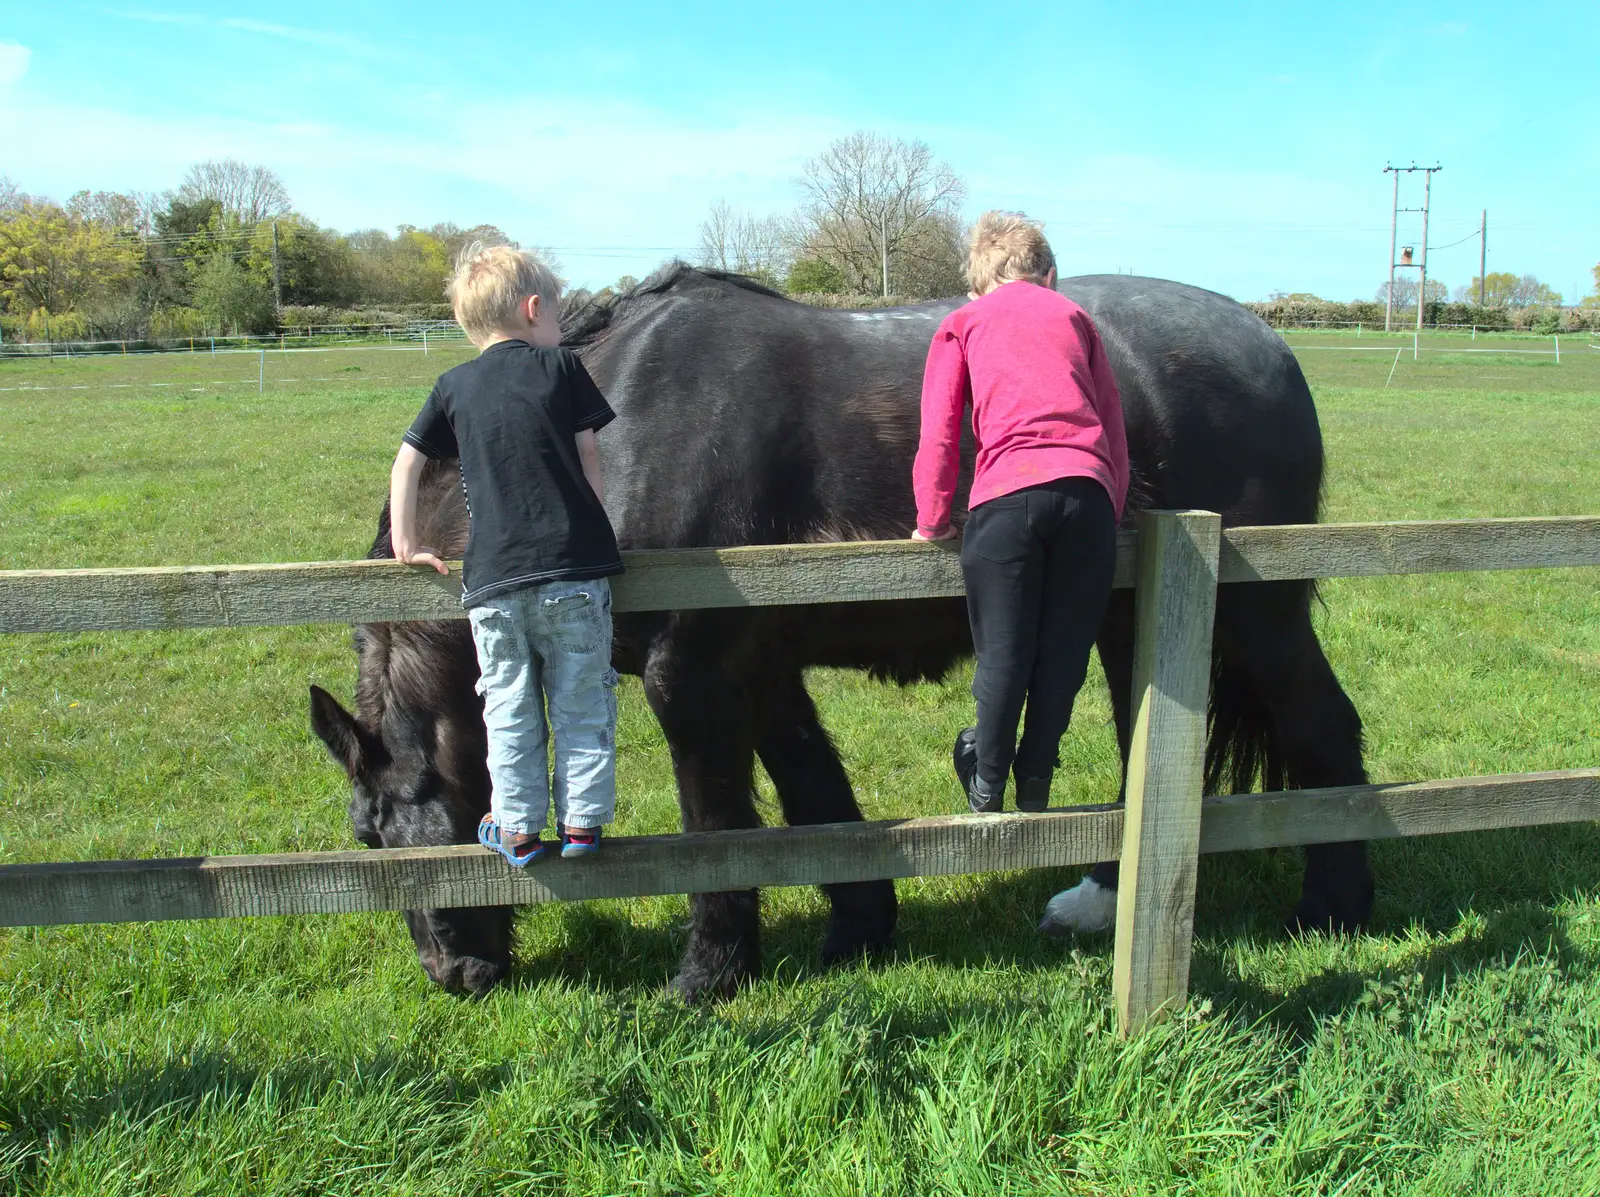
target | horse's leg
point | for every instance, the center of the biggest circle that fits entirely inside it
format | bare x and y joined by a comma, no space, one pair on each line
813,787
704,711
1091,905
1265,634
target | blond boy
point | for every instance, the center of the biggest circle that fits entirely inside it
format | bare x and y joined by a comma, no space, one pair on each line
521,418
1039,546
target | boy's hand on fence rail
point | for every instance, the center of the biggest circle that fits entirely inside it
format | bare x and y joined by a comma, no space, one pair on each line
420,556
948,532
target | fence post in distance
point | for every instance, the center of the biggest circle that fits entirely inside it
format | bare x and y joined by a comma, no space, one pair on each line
1175,600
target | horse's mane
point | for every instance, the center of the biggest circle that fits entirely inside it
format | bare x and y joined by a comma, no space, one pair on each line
586,317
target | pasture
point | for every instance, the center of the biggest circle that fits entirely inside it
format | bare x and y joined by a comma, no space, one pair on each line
1456,1048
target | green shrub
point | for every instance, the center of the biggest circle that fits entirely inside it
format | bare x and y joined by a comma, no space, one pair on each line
813,276
1546,321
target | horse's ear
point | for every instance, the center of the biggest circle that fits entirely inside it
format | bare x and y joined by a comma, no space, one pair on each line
337,728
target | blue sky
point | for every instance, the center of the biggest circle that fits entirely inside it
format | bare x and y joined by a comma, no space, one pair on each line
1237,147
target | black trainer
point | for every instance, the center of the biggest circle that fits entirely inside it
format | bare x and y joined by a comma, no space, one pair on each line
965,758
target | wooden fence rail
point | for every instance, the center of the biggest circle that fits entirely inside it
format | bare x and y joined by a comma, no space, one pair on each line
214,887
219,596
1175,563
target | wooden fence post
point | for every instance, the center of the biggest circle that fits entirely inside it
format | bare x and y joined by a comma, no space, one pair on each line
1175,601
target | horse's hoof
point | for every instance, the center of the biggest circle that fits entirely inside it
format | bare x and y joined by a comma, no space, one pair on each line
1086,909
846,945
699,984
1341,913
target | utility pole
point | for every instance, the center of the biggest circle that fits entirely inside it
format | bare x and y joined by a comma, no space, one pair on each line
1394,220
1483,257
883,242
1407,261
277,276
1422,278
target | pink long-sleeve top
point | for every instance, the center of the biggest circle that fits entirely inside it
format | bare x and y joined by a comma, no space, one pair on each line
1044,403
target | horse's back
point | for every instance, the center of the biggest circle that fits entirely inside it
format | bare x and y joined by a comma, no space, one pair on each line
749,418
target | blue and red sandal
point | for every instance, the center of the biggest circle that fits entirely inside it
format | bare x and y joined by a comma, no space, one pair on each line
579,841
520,856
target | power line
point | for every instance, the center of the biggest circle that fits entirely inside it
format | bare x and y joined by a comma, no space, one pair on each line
1472,236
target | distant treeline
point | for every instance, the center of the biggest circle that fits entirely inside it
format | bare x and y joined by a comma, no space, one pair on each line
1290,312
223,253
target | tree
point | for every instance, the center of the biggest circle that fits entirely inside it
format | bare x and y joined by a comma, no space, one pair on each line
315,266
814,276
52,259
249,194
1593,301
231,298
871,199
1531,293
411,267
109,208
456,238
745,244
1405,292
188,234
1502,289
11,197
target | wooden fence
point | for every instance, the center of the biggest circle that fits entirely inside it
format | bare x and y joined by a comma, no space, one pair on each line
1175,562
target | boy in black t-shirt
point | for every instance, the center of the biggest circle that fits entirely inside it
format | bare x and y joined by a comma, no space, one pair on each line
522,417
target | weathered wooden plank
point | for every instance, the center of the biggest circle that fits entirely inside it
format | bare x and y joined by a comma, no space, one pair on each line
369,591
1278,552
630,866
761,575
1376,812
633,866
1174,605
83,600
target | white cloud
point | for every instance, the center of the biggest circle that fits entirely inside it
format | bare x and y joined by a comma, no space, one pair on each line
154,18
315,37
14,61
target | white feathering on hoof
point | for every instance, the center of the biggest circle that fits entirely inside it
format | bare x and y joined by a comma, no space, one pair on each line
1084,909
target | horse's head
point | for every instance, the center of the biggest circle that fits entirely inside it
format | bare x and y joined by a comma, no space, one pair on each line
415,756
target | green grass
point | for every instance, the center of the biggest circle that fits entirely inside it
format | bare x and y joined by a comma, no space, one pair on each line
1455,1049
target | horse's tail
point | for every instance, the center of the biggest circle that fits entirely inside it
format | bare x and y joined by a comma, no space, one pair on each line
1241,747
1243,751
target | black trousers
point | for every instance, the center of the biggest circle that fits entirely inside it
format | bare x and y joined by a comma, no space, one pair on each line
1038,565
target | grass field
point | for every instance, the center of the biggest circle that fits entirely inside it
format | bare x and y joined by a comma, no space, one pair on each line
1454,1049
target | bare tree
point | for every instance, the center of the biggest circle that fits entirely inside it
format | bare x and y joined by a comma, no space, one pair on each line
758,246
1405,292
249,194
11,197
456,238
875,204
110,209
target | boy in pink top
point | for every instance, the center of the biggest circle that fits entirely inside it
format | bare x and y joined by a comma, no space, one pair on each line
1051,478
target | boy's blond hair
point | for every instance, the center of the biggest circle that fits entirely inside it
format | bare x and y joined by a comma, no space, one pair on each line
490,283
1004,247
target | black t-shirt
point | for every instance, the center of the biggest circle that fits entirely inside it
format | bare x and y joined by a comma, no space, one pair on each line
512,416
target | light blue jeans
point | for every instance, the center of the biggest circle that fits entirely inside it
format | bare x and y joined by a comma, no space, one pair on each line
549,647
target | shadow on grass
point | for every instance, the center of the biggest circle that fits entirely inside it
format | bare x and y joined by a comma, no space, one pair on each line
1524,932
1509,878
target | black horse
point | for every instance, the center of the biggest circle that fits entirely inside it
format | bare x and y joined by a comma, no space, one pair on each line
746,418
